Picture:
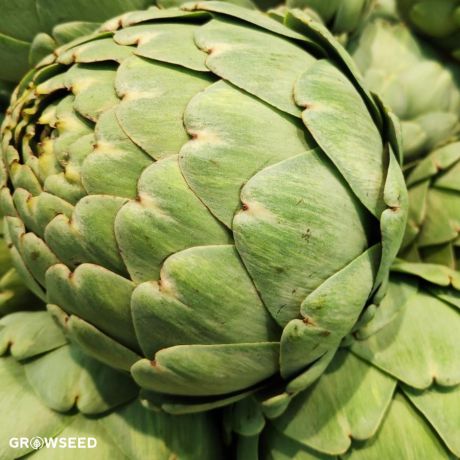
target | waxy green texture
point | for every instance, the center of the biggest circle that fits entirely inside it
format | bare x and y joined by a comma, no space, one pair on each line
194,192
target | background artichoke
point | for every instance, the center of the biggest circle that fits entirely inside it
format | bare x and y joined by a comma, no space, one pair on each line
434,213
421,88
172,203
342,17
437,20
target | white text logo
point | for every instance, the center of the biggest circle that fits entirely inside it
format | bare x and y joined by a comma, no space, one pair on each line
38,442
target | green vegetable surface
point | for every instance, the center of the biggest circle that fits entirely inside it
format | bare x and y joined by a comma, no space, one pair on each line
433,227
31,29
56,391
392,392
206,198
419,85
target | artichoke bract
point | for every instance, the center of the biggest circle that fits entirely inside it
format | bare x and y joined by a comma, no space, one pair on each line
433,227
13,293
196,191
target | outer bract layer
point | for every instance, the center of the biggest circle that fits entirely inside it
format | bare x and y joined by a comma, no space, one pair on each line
434,213
210,200
394,393
56,391
437,20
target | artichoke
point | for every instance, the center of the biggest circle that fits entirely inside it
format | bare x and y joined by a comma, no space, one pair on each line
31,29
342,17
433,226
194,192
393,393
417,83
56,391
438,20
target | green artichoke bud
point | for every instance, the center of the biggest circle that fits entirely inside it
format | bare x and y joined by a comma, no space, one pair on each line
393,393
56,391
413,79
438,20
433,226
31,29
195,192
340,16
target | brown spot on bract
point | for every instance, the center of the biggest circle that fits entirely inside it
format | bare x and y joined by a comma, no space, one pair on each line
308,321
245,207
306,234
